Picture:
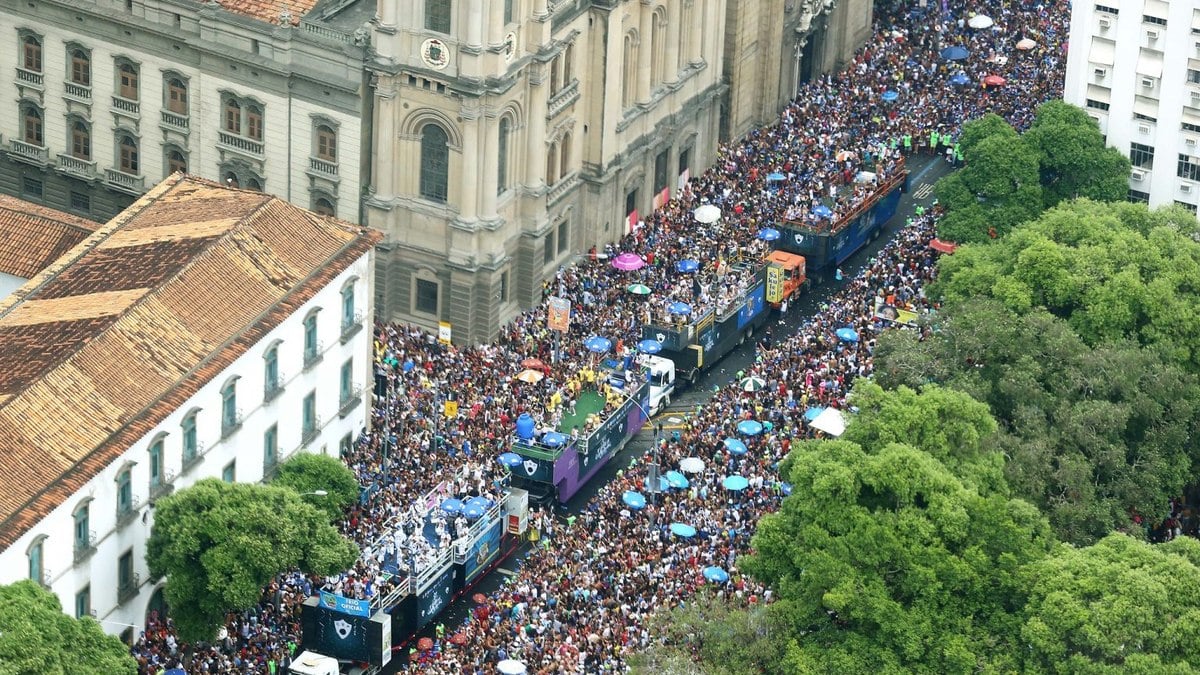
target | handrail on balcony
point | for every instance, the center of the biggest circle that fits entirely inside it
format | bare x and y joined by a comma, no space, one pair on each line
129,589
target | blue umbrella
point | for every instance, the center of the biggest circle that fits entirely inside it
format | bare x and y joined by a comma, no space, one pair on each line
481,502
750,427
687,266
677,480
787,488
452,506
473,511
597,344
811,413
682,530
775,177
649,346
735,446
408,365
680,308
959,79
634,500
955,53
768,234
736,483
663,484
511,459
553,439
889,96
847,334
822,211
176,671
716,575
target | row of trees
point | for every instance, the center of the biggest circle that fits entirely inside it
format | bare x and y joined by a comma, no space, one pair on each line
985,510
218,544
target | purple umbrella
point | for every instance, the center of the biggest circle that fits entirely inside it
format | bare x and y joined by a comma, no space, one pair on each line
628,262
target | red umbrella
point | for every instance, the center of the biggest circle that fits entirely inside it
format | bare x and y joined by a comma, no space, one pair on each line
536,364
425,644
458,639
479,598
943,246
994,81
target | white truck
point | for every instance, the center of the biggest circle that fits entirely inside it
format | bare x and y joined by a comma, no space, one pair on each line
312,663
661,372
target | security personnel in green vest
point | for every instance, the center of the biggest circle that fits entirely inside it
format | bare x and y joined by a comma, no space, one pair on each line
934,137
958,158
907,143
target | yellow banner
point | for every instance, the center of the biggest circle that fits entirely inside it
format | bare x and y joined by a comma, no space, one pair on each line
451,409
444,332
774,283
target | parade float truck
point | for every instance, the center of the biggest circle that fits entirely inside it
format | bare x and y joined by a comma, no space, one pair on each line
825,246
362,634
557,463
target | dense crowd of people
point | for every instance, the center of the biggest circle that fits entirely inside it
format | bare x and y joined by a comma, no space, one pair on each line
580,603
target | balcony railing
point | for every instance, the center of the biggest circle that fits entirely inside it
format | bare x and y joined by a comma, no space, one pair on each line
164,486
323,167
189,462
125,516
351,326
84,549
126,105
129,587
351,401
29,77
79,92
239,144
76,167
309,434
47,577
313,356
561,188
563,98
123,181
175,120
272,390
35,153
231,423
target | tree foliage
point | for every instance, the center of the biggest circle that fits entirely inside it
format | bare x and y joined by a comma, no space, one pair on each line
37,637
886,562
995,191
1073,160
219,543
308,472
708,635
1119,606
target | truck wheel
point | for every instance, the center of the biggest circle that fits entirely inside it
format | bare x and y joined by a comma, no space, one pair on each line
742,339
666,401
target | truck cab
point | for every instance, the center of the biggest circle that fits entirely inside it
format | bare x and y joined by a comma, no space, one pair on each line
661,374
788,269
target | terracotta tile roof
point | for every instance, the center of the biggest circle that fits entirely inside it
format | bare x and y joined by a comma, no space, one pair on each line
269,10
110,339
32,236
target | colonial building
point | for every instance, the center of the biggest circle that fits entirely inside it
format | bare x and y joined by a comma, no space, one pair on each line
33,237
204,332
107,97
771,46
511,134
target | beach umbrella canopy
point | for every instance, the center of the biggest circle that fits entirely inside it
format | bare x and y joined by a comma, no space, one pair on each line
649,346
175,671
768,234
831,421
511,667
663,484
943,246
847,334
1026,44
889,95
994,81
716,575
634,500
753,383
844,155
473,511
960,78
482,502
955,53
691,465
736,483
679,308
776,177
677,480
479,598
408,365
425,644
980,21
811,413
530,376
707,214
735,446
452,506
459,639
553,439
750,427
597,344
687,266
638,289
683,530
822,211
511,459
536,364
628,262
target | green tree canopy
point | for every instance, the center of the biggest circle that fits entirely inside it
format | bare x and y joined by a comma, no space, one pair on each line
1119,606
1091,432
987,126
36,637
1073,160
308,472
219,543
885,562
708,635
995,191
1112,270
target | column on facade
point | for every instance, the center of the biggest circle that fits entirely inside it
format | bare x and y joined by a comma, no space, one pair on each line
469,185
496,22
475,23
540,9
491,155
385,142
699,9
387,13
645,53
674,19
535,128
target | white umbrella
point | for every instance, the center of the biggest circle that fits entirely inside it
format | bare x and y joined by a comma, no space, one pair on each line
753,383
511,667
830,421
1026,44
707,214
980,21
691,465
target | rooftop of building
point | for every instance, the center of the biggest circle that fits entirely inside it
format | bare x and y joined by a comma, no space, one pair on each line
32,236
115,335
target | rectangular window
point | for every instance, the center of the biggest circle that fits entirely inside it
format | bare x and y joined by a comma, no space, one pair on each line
271,369
1141,156
1144,118
1107,10
427,296
348,306
81,68
125,571
156,463
564,236
83,602
508,11
1186,126
437,15
309,414
36,566
1189,207
1187,169
660,171
631,199
685,159
346,381
83,530
1157,21
504,286
1193,76
31,187
271,446
254,123
81,202
1098,105
124,492
310,338
33,54
1138,196
189,437
229,473
548,249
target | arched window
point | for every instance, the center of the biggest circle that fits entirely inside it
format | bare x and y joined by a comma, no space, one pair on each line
554,66
231,179
83,526
348,306
629,71
37,560
502,156
437,15
81,67
190,447
254,184
326,143
130,161
176,161
323,206
81,140
568,64
233,117
31,47
177,96
435,163
254,122
271,371
658,47
564,162
124,491
156,462
127,82
312,347
552,164
31,122
229,411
